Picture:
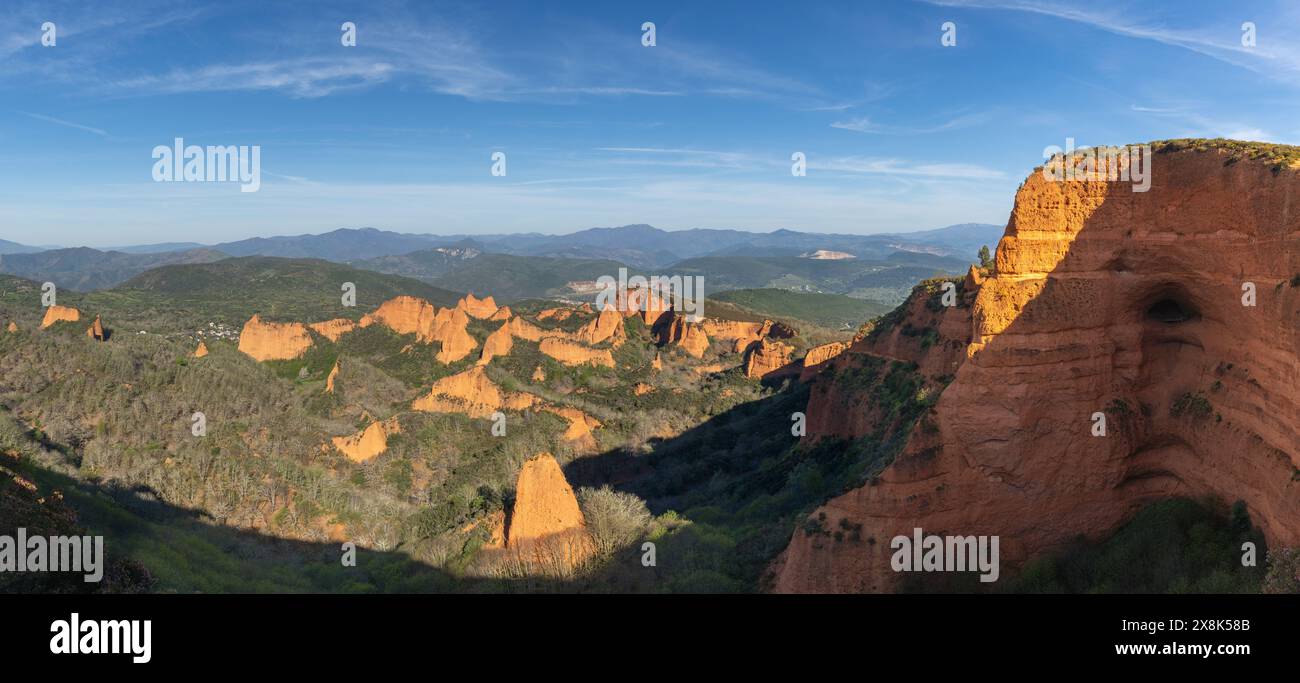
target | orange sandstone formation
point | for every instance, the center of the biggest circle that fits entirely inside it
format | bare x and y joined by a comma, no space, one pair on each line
731,329
478,308
264,341
649,305
539,375
573,353
686,334
405,315
525,330
1105,304
580,425
818,355
456,341
96,330
498,343
333,329
334,374
502,313
201,350
13,326
412,315
608,326
546,529
766,358
56,313
370,442
745,335
558,314
470,392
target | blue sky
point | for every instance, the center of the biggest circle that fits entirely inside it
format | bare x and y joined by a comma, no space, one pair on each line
900,132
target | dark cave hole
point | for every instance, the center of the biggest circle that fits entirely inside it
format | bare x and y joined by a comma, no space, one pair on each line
1168,311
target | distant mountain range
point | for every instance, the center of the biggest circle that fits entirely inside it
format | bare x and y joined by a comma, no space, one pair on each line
515,266
639,245
7,247
83,268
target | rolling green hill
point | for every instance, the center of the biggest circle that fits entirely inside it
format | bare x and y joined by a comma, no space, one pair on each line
834,311
508,277
885,281
426,264
85,269
232,290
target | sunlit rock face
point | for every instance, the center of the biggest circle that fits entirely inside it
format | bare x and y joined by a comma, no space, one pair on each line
273,341
370,442
767,357
1105,303
447,326
56,313
574,353
546,529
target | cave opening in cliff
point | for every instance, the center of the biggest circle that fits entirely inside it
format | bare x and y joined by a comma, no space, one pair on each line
1170,311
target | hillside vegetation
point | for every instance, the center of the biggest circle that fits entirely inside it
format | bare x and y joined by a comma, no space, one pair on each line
834,311
232,290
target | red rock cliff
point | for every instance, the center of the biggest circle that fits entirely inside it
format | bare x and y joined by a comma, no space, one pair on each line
1104,301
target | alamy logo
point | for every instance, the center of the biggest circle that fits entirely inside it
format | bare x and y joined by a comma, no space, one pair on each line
920,553
680,293
212,164
25,553
91,637
1131,163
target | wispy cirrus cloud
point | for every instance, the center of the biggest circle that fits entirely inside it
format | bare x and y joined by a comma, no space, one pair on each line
904,168
303,78
1156,110
98,30
685,157
1278,59
69,124
849,165
1197,125
865,124
412,45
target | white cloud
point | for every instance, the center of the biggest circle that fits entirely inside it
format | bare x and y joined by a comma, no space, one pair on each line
864,124
902,168
1278,59
303,78
69,124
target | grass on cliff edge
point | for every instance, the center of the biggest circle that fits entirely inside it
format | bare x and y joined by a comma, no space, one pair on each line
1280,156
